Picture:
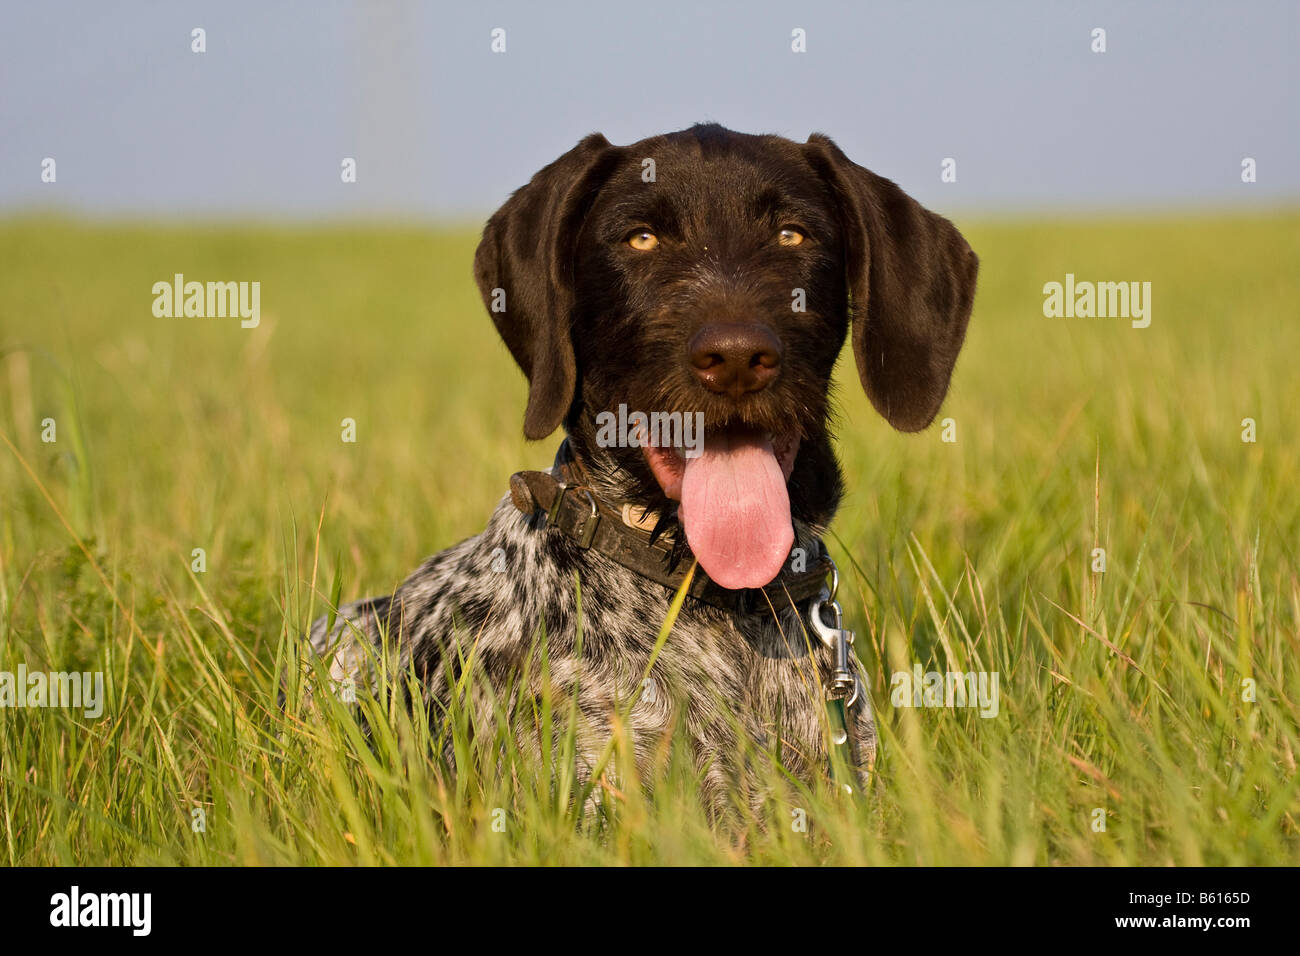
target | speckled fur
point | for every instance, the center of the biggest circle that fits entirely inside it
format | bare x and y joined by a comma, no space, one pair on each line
760,673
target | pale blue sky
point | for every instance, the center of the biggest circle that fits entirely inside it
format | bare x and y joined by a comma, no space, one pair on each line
443,128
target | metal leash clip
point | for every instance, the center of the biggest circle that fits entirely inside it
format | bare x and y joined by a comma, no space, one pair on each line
844,682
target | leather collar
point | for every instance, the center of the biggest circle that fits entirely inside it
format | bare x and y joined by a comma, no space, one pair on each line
572,508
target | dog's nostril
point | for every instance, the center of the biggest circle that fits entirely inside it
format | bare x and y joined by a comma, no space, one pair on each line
735,357
704,360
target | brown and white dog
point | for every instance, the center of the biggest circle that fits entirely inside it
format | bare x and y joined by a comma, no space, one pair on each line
720,286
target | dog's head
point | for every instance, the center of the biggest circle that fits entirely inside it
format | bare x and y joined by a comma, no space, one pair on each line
714,272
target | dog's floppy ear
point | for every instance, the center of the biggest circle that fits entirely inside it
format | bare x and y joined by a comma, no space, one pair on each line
911,279
524,269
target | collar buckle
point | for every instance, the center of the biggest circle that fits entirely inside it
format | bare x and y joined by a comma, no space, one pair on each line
589,524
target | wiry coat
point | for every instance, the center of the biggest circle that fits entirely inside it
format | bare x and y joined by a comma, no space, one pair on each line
596,322
762,674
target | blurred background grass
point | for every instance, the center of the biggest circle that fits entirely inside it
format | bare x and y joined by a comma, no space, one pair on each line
175,434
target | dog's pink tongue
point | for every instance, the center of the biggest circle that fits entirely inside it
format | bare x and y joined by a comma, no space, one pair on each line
736,510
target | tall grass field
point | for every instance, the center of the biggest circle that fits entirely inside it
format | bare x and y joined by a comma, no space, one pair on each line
177,503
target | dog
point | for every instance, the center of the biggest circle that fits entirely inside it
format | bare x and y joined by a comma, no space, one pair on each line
711,275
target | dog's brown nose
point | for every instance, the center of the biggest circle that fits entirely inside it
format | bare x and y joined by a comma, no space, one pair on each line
734,358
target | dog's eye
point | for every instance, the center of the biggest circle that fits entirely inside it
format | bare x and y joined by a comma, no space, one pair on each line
790,236
642,240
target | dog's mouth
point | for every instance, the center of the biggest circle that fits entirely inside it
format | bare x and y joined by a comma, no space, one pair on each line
733,502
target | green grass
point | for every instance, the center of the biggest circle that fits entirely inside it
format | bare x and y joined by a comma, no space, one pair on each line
1120,691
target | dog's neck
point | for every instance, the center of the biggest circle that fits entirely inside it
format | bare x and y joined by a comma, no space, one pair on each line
562,497
612,476
618,490
620,476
